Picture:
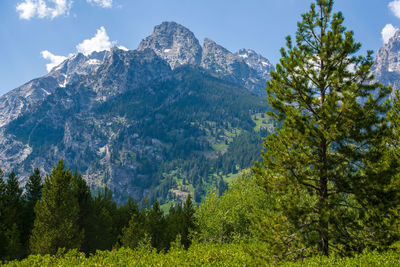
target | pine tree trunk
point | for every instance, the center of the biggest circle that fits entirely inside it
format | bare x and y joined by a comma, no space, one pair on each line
323,201
323,221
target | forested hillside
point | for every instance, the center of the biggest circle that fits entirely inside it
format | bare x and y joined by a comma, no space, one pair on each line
190,125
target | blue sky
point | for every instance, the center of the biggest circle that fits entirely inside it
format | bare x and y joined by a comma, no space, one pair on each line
29,27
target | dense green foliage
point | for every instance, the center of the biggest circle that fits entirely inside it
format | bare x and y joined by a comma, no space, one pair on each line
228,218
202,255
57,214
333,178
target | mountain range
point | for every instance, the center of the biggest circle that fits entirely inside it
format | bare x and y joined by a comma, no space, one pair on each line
169,118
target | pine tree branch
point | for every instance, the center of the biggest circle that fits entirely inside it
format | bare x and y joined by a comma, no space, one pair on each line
303,183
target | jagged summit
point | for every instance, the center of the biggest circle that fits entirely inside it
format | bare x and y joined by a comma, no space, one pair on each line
388,56
217,58
256,61
386,68
245,67
178,46
174,43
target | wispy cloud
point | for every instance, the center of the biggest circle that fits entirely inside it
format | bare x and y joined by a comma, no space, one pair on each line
54,60
43,8
102,3
395,7
99,42
51,9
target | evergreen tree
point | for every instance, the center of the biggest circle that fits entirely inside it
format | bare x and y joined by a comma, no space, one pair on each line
222,186
83,196
171,231
13,199
175,221
101,234
3,243
14,248
134,233
328,165
32,196
34,187
13,212
155,224
188,213
57,214
123,216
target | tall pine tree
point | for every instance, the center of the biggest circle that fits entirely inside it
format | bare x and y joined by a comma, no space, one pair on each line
3,241
33,193
13,212
13,199
328,165
57,214
135,231
101,233
155,226
188,213
83,196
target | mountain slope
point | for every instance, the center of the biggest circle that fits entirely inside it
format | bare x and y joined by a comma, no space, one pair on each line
141,122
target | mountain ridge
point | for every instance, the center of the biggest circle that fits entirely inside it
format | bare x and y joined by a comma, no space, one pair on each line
138,121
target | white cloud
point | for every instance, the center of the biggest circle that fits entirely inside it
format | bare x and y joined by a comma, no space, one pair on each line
99,42
43,8
395,7
102,3
26,9
29,9
388,32
54,60
123,48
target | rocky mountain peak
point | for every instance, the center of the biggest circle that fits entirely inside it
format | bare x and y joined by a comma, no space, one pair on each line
386,68
217,58
388,56
178,46
174,43
245,67
256,62
77,65
71,70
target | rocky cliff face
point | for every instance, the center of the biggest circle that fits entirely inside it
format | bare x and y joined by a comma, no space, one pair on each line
245,67
257,62
20,99
387,64
128,119
179,46
174,43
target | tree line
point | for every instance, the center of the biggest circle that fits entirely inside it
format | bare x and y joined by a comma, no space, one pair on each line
63,213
